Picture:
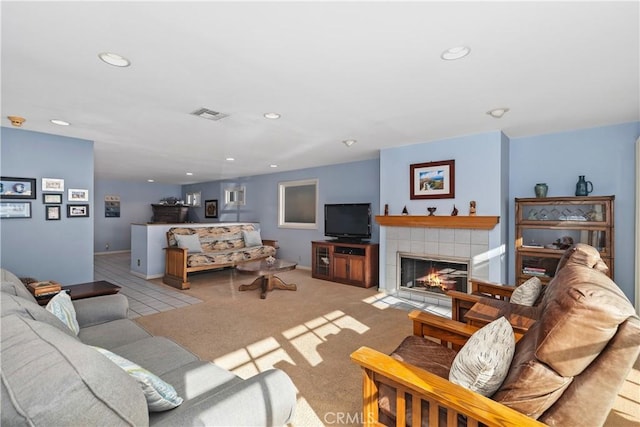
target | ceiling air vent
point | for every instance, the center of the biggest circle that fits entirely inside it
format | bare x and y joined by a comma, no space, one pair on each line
205,113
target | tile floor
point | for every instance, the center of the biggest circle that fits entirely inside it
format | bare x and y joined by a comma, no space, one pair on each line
148,298
144,297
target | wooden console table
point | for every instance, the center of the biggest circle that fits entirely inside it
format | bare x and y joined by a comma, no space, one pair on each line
85,290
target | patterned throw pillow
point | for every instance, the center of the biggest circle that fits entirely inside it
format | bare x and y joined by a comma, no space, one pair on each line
527,293
191,242
160,395
483,362
62,307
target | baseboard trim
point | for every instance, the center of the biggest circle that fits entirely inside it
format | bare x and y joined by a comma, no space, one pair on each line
144,276
112,252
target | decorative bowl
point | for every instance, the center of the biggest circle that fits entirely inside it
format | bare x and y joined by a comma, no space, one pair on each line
270,260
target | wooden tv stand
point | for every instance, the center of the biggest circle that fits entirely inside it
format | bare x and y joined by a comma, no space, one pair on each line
345,262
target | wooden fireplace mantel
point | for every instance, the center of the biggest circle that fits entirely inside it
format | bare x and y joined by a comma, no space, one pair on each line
473,222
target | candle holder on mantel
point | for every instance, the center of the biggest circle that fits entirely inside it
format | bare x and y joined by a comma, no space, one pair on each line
431,211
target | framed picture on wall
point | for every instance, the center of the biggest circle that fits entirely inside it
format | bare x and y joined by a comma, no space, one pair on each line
52,213
78,195
211,208
433,180
55,199
15,209
77,211
17,188
53,185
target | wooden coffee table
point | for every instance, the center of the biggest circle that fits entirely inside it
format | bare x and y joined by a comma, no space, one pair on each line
267,281
85,290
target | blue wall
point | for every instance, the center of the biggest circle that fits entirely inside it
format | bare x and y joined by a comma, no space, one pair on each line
34,247
479,175
606,155
135,208
342,183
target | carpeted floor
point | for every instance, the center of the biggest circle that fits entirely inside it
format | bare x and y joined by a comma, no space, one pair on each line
309,334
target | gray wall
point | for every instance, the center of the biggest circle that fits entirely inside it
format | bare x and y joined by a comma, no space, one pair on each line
48,250
135,208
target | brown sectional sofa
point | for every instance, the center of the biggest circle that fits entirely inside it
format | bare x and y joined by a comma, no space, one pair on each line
218,246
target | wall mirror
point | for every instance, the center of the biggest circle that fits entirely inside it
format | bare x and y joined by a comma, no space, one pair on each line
235,196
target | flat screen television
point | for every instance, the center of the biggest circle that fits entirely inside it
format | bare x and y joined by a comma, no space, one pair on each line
348,221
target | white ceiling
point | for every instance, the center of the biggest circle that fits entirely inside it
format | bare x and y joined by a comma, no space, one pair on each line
370,71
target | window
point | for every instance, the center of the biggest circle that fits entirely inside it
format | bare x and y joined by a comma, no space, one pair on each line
297,204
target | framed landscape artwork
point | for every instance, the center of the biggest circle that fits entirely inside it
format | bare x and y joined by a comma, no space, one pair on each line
433,180
211,208
17,188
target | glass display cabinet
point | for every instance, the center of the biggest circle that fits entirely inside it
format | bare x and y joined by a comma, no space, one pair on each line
546,227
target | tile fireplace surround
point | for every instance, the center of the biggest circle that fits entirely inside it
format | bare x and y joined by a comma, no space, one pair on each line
464,243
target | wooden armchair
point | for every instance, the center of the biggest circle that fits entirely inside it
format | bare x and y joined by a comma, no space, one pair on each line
567,368
445,399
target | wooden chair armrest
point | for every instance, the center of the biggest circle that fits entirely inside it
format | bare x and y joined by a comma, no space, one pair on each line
491,289
379,367
268,242
463,296
446,330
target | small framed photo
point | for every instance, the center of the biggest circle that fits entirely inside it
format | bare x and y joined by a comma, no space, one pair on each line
17,188
433,180
53,185
52,213
78,195
77,211
211,208
15,209
52,199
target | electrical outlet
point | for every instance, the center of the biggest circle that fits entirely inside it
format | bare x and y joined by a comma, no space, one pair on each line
106,246
138,262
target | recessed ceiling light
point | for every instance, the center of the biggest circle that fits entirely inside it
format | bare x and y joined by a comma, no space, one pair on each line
150,180
189,173
497,113
59,122
114,59
229,159
272,116
349,142
454,53
273,166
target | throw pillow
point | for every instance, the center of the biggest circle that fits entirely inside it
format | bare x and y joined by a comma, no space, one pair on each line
527,293
191,242
251,238
62,307
483,362
160,395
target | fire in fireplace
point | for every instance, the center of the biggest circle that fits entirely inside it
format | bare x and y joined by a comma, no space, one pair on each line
432,274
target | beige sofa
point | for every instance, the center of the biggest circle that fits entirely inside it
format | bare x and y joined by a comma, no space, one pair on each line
193,249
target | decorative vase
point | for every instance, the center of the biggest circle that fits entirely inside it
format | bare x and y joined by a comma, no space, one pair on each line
541,189
583,187
431,211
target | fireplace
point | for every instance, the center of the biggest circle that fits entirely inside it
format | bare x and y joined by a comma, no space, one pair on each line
432,275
